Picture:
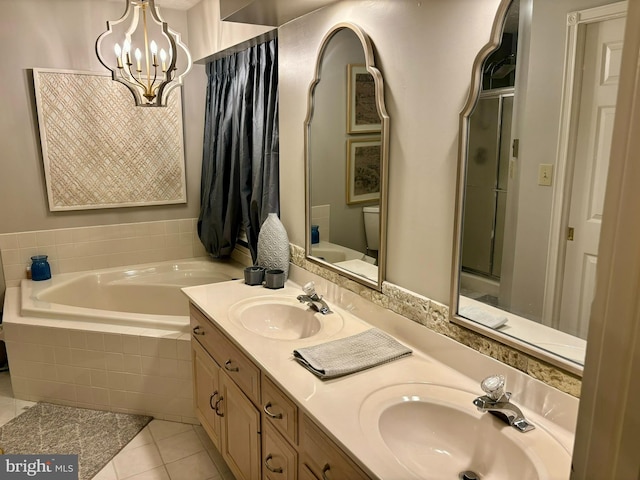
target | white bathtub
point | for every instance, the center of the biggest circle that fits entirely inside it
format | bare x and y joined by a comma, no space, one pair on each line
144,295
116,339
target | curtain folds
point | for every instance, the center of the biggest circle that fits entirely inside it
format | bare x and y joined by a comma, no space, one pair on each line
240,164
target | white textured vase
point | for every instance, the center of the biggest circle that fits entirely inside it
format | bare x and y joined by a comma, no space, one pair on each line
273,245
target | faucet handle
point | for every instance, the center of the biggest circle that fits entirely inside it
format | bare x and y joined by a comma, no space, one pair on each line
309,289
494,386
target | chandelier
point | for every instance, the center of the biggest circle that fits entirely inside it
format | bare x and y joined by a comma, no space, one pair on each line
142,53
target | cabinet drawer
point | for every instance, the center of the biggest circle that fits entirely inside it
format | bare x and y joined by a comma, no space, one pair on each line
207,335
279,461
280,410
235,363
323,457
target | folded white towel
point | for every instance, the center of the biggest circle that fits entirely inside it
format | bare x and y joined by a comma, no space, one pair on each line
484,317
351,354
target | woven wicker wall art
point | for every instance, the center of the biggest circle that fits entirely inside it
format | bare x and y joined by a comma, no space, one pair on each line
100,150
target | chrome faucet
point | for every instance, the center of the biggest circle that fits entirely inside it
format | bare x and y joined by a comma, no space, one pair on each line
496,401
312,299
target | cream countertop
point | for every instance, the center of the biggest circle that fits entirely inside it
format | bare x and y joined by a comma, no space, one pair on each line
335,404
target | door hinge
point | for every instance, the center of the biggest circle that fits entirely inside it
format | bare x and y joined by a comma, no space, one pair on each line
570,231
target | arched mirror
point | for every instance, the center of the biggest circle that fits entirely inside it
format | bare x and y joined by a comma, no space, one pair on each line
535,137
346,149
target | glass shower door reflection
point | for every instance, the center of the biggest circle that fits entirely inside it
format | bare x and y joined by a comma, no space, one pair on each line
486,185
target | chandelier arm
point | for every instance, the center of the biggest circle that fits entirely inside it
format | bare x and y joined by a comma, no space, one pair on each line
155,75
139,82
147,91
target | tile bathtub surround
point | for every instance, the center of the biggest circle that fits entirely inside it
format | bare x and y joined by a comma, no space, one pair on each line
434,315
130,373
104,246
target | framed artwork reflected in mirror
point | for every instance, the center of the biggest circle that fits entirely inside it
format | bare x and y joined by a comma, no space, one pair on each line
363,169
362,112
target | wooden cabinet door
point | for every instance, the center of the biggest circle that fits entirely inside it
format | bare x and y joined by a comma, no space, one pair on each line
323,457
206,391
279,459
305,474
240,431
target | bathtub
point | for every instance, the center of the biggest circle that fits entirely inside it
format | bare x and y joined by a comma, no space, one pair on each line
144,295
116,339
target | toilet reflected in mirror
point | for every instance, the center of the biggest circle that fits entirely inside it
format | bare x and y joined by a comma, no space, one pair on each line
371,217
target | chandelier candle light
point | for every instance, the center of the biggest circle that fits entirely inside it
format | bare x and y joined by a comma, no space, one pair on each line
142,28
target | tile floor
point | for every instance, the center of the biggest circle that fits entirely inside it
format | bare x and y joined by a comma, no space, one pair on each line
161,451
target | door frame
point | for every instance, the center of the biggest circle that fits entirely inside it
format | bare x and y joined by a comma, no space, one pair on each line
565,160
606,444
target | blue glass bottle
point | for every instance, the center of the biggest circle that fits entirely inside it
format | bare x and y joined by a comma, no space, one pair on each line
315,234
40,268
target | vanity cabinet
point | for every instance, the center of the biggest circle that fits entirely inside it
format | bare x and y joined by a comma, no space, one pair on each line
234,363
279,411
226,391
280,433
290,433
321,458
240,445
206,392
260,431
280,459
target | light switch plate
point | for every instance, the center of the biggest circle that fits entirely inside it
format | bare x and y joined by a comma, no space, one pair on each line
545,174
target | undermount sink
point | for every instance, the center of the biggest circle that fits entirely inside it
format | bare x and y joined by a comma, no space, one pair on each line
434,431
283,318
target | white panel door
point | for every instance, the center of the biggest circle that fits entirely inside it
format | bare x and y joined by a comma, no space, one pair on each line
602,55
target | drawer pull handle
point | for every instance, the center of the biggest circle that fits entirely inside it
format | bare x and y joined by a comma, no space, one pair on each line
197,331
325,470
269,467
229,368
218,412
213,395
277,416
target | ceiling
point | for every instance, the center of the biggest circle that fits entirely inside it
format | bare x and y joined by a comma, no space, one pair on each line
174,4
177,4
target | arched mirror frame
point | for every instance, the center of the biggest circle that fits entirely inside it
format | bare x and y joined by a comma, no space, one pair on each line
384,157
463,146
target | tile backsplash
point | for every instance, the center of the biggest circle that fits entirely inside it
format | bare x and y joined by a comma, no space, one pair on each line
104,246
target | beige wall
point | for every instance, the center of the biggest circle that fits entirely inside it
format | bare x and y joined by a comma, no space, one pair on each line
425,51
61,34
